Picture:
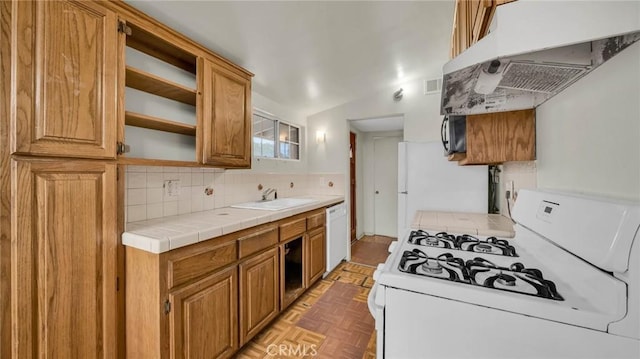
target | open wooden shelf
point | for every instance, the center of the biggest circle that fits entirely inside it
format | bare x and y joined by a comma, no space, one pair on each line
147,82
155,123
157,47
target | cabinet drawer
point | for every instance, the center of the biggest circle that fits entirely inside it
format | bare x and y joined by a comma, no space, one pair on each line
184,269
315,220
254,242
293,228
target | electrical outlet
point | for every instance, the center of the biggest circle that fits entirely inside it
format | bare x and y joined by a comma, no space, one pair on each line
321,181
510,186
172,188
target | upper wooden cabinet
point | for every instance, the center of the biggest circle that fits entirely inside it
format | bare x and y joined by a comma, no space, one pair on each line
224,116
471,22
64,260
65,79
500,137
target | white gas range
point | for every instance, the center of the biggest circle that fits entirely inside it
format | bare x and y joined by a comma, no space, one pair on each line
567,285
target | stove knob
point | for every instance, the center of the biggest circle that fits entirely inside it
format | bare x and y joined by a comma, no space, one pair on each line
378,271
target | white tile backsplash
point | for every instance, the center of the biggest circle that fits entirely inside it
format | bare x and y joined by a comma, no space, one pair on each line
155,210
136,196
146,199
136,180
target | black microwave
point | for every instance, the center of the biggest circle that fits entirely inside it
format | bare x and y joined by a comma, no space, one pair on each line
453,132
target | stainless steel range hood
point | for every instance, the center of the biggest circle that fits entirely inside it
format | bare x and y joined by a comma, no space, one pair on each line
535,50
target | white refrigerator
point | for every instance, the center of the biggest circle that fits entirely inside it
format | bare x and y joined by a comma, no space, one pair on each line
428,181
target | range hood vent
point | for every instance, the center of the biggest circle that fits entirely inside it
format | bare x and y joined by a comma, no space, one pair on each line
546,78
498,74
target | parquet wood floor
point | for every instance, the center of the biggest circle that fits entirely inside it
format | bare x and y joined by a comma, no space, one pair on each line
370,250
330,321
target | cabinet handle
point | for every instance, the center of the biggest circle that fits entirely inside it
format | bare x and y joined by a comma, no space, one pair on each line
121,148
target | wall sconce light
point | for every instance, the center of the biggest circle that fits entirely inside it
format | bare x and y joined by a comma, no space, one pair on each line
321,137
397,96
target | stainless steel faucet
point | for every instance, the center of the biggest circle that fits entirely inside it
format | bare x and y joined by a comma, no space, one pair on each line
267,192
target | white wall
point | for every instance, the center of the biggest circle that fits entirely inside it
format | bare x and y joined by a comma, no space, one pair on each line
368,178
421,120
588,136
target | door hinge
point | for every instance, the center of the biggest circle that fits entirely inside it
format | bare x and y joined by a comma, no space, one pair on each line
121,148
122,27
167,307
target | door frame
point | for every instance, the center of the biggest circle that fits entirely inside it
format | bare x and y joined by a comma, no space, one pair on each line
352,184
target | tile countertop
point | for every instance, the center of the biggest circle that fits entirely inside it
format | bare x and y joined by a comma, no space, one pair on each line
470,223
164,234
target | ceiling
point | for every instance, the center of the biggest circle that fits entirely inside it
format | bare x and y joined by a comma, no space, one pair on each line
315,55
379,124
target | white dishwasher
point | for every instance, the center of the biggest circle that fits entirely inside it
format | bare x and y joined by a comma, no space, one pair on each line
337,240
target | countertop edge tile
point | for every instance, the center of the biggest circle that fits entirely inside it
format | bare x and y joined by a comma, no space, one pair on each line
163,236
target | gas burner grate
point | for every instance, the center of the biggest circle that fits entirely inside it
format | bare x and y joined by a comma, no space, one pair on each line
465,242
480,272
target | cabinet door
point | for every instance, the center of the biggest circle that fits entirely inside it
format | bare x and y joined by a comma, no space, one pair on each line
204,316
65,79
316,260
501,137
259,293
64,259
225,116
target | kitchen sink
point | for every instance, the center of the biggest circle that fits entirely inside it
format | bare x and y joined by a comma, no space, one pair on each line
275,205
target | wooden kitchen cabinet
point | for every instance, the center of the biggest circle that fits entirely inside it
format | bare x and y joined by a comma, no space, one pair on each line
471,22
180,303
63,258
65,79
203,322
259,293
188,296
224,116
500,137
315,255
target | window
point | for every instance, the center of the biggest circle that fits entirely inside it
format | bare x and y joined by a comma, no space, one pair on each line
273,138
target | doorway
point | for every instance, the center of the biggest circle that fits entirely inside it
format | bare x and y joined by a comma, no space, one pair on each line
352,183
385,184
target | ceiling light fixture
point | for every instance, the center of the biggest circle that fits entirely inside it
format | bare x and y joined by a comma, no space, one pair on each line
397,96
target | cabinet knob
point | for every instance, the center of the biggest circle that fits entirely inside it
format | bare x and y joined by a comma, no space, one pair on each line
121,148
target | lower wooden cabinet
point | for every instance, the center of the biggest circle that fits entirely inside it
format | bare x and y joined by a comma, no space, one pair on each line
63,255
315,255
208,299
203,317
259,293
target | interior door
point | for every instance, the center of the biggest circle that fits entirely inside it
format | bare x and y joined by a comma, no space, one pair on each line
385,179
